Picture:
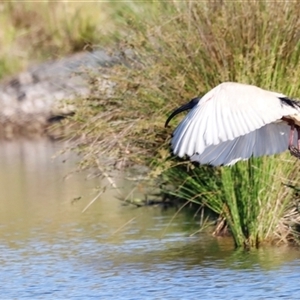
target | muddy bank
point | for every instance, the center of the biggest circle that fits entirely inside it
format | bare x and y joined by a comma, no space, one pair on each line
31,100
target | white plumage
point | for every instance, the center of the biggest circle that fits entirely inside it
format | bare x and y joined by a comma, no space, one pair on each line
235,121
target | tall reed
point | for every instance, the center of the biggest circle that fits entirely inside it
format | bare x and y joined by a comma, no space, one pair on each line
251,196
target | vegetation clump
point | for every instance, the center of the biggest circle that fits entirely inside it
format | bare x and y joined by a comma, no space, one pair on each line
173,51
31,32
180,50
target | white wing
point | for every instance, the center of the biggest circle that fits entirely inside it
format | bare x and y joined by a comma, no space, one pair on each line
267,140
229,111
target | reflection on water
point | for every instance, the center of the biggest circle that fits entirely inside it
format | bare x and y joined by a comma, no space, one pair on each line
51,250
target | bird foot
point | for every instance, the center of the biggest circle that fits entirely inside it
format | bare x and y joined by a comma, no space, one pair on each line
294,151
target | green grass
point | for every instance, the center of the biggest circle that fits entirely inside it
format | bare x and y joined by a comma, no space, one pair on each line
31,32
250,196
180,50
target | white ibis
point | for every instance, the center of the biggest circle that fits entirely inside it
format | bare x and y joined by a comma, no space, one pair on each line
235,121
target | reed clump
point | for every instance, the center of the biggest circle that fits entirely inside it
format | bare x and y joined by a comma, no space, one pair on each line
182,49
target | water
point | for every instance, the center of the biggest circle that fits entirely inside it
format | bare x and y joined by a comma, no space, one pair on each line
49,249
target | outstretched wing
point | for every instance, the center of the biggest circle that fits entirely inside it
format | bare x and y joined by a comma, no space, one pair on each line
229,111
267,140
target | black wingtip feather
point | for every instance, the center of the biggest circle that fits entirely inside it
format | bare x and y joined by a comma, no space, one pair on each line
290,102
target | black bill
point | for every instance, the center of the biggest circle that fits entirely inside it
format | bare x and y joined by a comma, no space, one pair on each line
182,108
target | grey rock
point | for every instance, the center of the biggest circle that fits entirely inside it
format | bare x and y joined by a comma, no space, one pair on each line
35,95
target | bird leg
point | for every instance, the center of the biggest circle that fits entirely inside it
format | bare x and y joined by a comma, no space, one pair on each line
291,138
298,132
295,151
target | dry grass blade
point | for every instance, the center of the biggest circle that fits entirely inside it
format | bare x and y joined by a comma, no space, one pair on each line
91,202
124,225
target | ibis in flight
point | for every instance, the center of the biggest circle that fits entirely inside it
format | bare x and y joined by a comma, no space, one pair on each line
234,122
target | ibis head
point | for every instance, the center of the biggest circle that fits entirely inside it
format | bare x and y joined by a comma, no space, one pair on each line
182,108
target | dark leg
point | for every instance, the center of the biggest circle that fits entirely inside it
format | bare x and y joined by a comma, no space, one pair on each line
298,132
293,150
291,138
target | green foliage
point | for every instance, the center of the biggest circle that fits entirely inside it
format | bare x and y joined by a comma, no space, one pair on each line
179,50
250,195
35,31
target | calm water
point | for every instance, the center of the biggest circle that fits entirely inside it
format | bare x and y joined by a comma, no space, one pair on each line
51,250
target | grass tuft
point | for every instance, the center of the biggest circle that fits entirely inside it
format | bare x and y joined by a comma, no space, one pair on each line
182,49
251,196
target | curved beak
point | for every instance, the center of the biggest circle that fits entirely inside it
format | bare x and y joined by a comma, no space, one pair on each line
182,108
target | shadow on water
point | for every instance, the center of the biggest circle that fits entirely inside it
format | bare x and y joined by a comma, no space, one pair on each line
50,249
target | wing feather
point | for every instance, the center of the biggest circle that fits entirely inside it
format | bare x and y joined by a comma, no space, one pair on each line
267,140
